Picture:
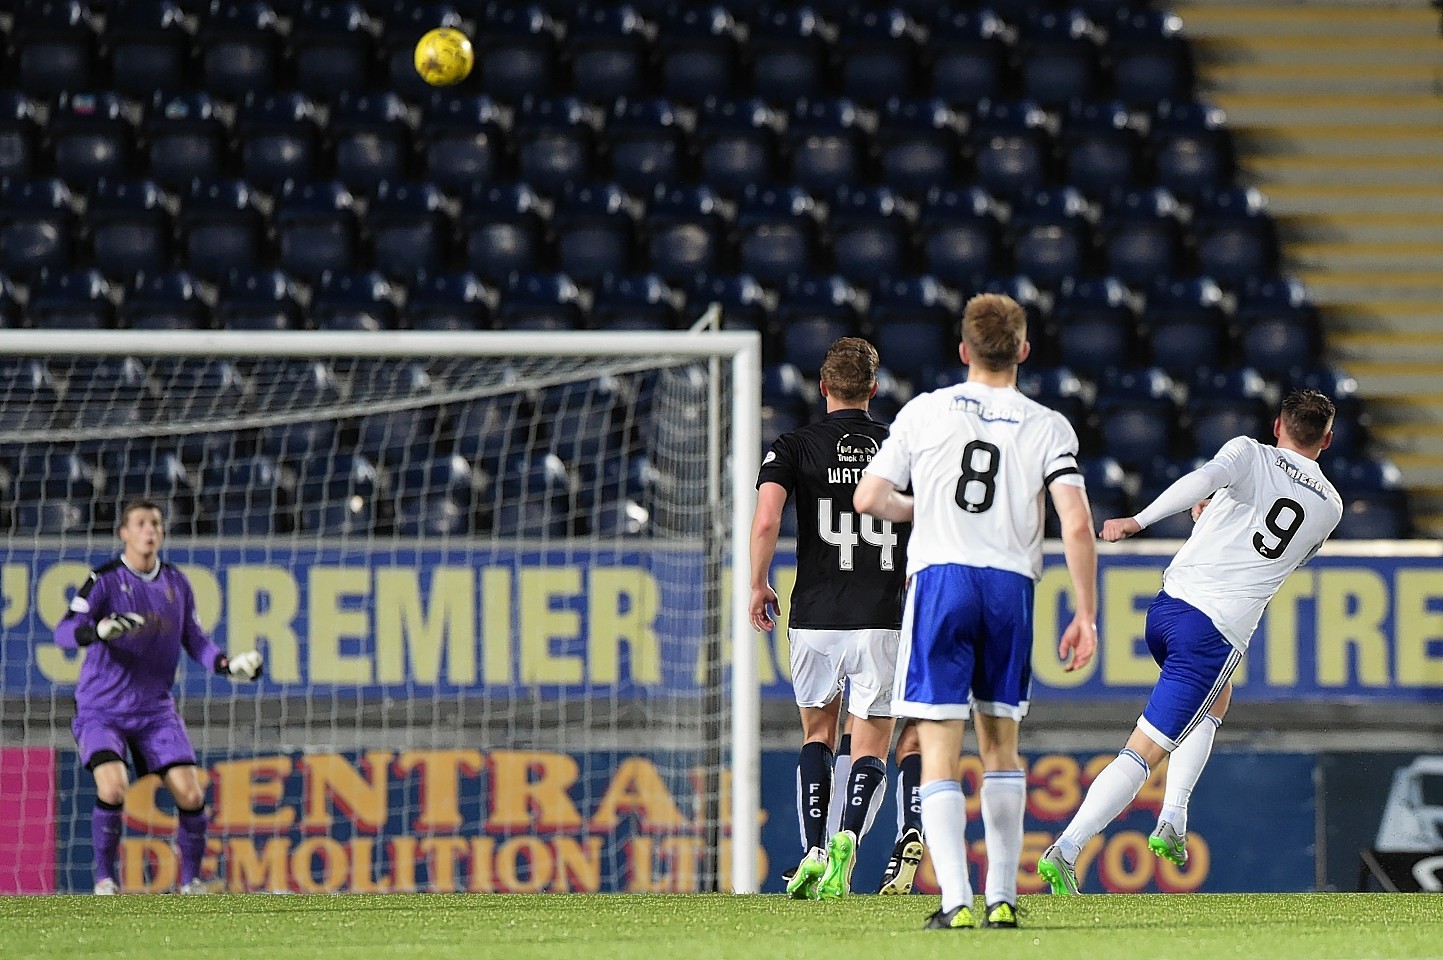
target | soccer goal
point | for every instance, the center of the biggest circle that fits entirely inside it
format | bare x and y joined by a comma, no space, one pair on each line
491,575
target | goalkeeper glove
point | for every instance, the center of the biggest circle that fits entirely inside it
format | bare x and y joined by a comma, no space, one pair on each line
118,625
244,666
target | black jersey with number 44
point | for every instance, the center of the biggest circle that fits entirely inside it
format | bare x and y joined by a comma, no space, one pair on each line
850,567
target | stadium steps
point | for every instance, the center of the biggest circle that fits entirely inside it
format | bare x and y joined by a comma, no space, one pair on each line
1337,108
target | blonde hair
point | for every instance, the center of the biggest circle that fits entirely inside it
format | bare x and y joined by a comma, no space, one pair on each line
994,327
849,369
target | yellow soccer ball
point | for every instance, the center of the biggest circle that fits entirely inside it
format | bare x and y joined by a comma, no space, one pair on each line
444,57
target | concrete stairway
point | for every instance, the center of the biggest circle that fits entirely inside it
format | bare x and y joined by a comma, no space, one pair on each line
1338,110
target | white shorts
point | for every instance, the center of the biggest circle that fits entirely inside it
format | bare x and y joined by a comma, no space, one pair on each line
823,659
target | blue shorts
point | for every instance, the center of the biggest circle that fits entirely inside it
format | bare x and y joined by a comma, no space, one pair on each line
966,644
1196,662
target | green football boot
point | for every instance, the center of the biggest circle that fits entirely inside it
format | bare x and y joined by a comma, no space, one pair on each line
1168,844
1000,915
841,858
1058,873
809,873
958,918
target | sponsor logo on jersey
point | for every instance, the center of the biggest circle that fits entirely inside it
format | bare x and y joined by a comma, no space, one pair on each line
991,413
1301,478
856,448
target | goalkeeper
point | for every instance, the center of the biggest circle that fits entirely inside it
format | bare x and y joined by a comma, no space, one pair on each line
133,615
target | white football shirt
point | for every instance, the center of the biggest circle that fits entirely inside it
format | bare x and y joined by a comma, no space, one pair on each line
1273,513
978,459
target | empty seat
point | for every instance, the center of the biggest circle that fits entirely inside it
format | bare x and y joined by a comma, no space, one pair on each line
1191,149
1051,238
221,227
36,225
595,227
1137,417
299,442
813,312
736,144
436,497
184,139
338,494
540,301
685,232
409,227
1101,147
969,55
90,137
826,144
249,496
358,301
776,232
918,145
371,138
1234,235
54,48
960,233
1186,323
316,229
492,430
286,385
240,49
1107,488
788,54
447,301
461,140
130,228
878,52
1095,326
645,144
1151,60
697,52
279,139
555,143
1365,519
150,47
532,499
1055,387
19,136
609,50
398,437
916,333
869,233
1140,235
257,300
1011,146
634,302
502,231
516,52
164,300
1158,476
1059,56
62,299
112,392
745,304
332,47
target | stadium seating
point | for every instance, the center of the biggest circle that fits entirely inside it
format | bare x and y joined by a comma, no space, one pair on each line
818,170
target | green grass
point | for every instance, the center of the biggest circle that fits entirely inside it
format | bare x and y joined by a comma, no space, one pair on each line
626,927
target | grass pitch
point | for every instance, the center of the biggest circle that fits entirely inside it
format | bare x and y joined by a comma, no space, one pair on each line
627,927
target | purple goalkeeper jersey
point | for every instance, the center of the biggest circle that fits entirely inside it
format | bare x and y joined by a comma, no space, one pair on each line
133,674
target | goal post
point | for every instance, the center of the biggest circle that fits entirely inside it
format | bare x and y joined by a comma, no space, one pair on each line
337,498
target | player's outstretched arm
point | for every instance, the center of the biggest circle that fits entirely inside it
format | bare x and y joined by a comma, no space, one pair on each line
766,527
243,666
1185,494
880,498
1079,640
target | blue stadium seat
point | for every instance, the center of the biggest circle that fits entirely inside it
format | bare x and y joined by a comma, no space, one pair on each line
516,52
111,392
697,52
1156,478
164,300
447,301
1101,147
184,139
609,51
878,54
371,138
502,230
200,388
1217,422
1055,387
1365,477
1234,235
461,140
777,421
42,409
75,299
301,442
1140,234
869,233
1096,327
960,233
555,143
918,145
1107,488
492,430
788,54
257,300
279,139
19,136
240,49
1151,60
1279,330
685,232
9,304
634,302
595,227
1011,146
969,55
776,233
284,386
399,437
1137,416
532,499
785,388
47,517
1051,238
53,48
338,494
130,228
90,137
150,47
36,225
1059,56
409,227
316,229
436,497
1186,323
736,144
916,330
1191,150
813,312
1365,519
745,303
540,301
58,474
332,47
827,145
249,496
645,144
221,227
356,301
586,421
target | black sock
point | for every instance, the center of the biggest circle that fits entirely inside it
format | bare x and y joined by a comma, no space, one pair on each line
814,783
868,773
910,795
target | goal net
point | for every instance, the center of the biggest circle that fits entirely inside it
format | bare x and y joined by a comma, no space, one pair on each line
490,575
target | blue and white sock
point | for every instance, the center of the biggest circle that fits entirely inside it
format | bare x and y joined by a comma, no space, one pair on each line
841,775
814,793
944,821
1109,795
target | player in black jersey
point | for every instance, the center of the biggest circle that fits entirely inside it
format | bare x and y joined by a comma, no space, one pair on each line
845,611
